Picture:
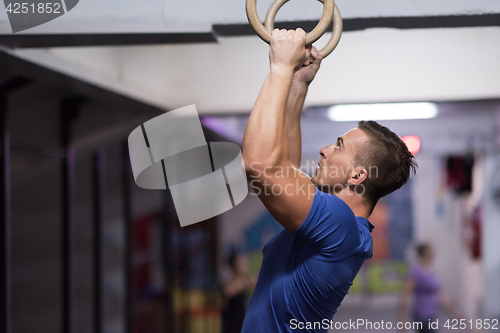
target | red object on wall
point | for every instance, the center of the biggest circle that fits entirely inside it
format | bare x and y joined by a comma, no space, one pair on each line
413,143
141,265
459,173
142,255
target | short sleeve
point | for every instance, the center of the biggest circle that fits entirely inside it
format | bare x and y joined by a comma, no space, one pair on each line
330,227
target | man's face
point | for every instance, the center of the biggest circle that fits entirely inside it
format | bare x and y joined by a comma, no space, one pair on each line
337,166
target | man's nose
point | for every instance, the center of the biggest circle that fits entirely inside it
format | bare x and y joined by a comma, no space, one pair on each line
323,152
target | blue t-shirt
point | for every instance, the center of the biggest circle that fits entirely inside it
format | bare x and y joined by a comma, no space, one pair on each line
306,273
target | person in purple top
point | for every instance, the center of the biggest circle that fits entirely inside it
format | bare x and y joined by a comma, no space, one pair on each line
309,266
425,286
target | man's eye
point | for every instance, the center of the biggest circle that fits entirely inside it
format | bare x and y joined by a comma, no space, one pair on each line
337,147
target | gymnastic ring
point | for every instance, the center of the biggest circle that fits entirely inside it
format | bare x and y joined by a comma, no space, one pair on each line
337,26
265,35
328,12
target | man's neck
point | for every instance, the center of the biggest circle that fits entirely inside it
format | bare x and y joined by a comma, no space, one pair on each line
356,202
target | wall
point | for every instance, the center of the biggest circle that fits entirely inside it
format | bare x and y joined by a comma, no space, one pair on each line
441,218
491,231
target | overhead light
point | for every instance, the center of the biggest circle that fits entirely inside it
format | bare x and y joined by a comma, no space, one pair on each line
382,111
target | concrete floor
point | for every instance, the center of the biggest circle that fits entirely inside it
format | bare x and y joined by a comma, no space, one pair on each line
375,309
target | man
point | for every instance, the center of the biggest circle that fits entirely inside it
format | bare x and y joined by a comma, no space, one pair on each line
308,267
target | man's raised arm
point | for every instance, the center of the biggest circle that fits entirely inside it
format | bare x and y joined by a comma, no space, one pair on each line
285,192
298,91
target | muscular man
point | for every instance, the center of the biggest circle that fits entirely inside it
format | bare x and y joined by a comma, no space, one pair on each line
309,266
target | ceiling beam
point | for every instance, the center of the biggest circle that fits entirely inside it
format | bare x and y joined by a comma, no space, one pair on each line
109,39
356,24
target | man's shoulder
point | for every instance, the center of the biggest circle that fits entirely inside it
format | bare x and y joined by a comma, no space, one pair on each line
340,214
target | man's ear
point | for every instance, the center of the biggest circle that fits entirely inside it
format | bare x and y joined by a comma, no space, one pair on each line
358,176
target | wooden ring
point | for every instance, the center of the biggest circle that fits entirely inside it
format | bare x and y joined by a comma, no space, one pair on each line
337,26
330,10
265,35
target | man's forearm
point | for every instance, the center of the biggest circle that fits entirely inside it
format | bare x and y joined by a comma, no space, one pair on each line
294,106
266,135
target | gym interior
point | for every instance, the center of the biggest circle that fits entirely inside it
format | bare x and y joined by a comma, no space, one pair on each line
84,249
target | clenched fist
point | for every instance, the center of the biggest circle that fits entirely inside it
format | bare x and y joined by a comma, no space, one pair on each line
288,49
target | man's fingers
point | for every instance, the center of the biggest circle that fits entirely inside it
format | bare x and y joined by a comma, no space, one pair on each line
315,53
301,34
290,44
279,32
309,59
300,31
316,57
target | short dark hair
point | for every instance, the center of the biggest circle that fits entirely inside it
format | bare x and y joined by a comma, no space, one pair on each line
422,249
389,155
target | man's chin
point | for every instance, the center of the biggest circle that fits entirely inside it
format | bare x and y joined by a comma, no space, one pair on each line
315,182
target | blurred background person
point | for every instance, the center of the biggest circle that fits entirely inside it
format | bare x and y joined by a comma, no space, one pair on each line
235,292
425,286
